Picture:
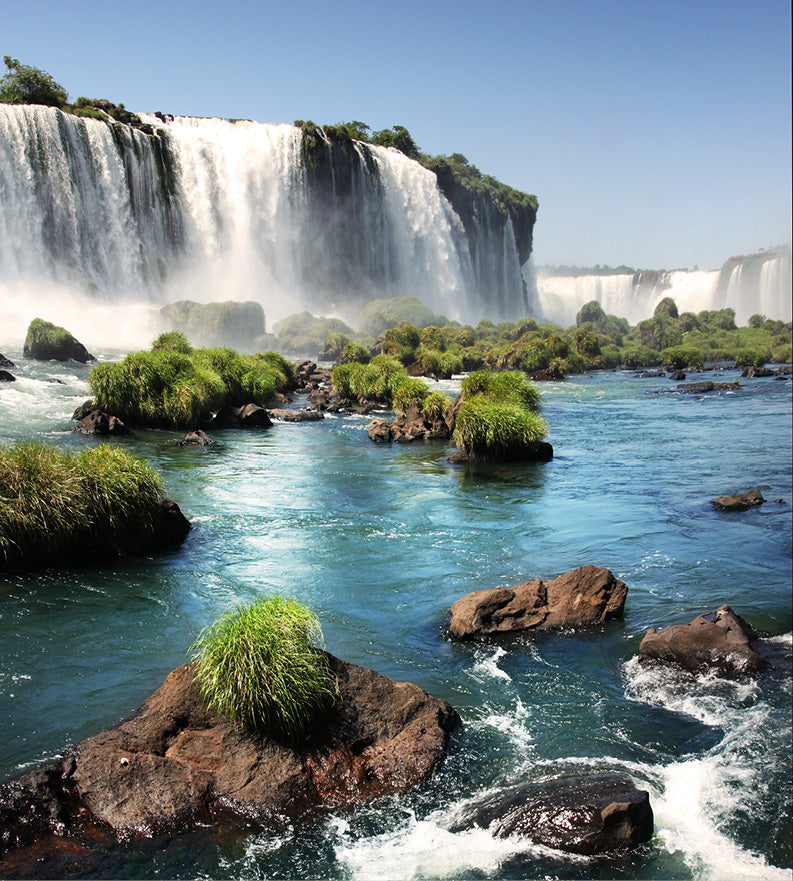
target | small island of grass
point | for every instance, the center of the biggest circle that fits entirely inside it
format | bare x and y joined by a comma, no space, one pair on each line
62,506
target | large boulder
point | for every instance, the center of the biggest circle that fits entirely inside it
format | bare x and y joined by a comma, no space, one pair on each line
247,416
584,596
176,764
585,814
6,362
739,501
229,323
410,426
282,414
48,342
98,423
719,640
5,376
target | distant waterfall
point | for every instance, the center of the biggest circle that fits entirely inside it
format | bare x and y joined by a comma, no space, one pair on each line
757,283
210,209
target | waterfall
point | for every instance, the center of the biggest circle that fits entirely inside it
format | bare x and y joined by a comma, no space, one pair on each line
755,283
212,209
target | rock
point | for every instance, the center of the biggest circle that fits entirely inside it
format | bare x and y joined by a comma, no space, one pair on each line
752,371
6,362
701,388
410,426
48,342
677,375
585,814
283,415
739,501
584,596
380,431
546,375
718,640
650,374
83,410
98,423
197,438
170,530
5,376
782,370
247,416
176,764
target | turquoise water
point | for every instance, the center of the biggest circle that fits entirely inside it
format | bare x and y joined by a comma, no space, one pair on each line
380,541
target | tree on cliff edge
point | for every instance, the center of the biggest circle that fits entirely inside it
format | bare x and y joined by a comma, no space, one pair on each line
22,84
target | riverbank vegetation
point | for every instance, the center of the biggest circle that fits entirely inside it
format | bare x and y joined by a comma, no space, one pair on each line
56,503
261,667
174,385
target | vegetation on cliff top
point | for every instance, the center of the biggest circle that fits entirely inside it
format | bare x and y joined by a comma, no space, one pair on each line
261,668
54,503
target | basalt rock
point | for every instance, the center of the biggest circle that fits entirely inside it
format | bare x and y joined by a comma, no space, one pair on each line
739,501
247,416
718,640
6,362
5,376
585,814
752,371
197,438
410,426
584,596
176,764
701,388
169,531
48,342
99,423
284,415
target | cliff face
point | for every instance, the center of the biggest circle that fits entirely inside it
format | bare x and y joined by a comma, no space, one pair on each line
218,209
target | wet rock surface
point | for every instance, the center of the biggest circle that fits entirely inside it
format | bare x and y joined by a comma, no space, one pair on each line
584,596
739,501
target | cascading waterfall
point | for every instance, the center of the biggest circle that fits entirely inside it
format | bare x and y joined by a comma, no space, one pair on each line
758,283
210,209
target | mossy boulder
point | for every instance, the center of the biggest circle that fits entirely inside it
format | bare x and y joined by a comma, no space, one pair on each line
227,323
49,342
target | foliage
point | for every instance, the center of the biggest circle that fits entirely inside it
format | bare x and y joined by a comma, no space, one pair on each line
666,307
406,391
216,324
376,381
169,388
354,352
680,357
44,336
637,357
436,405
22,84
750,358
259,666
55,502
498,418
172,341
379,315
402,341
398,137
591,313
304,334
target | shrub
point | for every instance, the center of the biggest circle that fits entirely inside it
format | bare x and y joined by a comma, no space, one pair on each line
334,346
750,358
23,84
498,418
402,341
55,502
354,352
406,391
679,357
259,666
376,381
173,341
433,338
636,357
436,405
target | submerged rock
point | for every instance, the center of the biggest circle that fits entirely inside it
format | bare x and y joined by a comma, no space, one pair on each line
585,814
197,438
739,501
584,596
718,640
701,388
286,415
176,764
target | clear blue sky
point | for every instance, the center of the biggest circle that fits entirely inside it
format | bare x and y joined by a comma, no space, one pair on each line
655,134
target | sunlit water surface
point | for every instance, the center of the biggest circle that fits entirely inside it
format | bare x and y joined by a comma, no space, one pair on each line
380,541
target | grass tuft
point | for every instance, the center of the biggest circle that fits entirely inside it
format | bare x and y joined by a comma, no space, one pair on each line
260,667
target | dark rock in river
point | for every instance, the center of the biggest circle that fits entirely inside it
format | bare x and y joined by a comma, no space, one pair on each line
782,370
247,416
752,371
5,376
739,501
719,640
197,438
584,596
586,814
170,530
98,423
677,375
176,764
284,415
701,388
412,425
6,362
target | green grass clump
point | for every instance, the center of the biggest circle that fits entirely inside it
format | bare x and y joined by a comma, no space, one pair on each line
55,503
498,418
376,381
169,387
436,405
259,666
409,389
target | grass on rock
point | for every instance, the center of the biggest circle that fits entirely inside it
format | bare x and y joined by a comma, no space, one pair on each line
259,666
54,502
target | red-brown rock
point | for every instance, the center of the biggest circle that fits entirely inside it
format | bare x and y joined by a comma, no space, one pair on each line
584,596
